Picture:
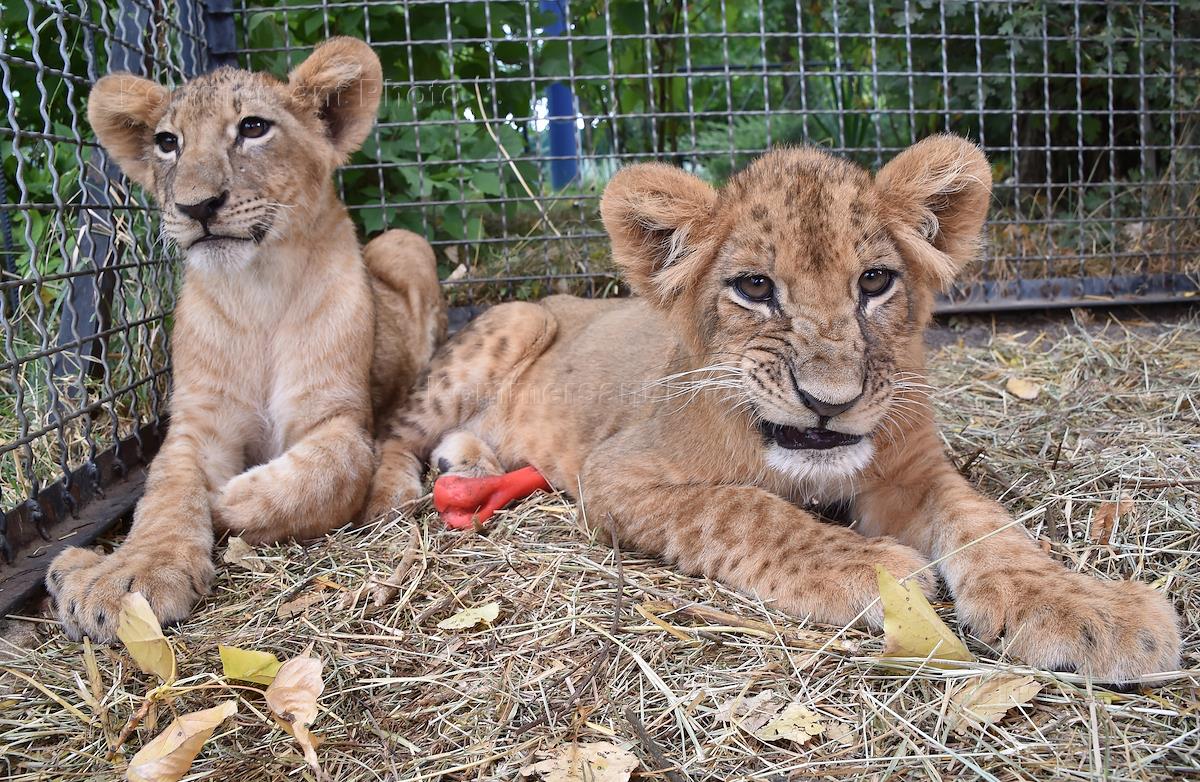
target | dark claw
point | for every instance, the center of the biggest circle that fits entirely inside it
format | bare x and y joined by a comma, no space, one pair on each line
129,584
100,619
72,607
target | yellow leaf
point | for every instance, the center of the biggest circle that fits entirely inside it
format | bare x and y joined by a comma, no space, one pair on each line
1023,388
169,755
238,552
986,702
910,625
470,617
139,630
598,761
248,665
292,699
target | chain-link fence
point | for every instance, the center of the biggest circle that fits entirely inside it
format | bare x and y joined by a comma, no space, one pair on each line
502,120
86,289
1088,111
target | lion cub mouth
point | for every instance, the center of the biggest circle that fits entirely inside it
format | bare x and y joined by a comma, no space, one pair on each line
812,438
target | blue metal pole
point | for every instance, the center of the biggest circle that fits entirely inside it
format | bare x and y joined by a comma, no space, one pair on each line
564,168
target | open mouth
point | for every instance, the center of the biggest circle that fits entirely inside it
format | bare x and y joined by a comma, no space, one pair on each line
813,438
218,238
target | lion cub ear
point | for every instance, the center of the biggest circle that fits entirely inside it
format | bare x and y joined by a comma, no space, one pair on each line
659,219
934,197
123,110
341,81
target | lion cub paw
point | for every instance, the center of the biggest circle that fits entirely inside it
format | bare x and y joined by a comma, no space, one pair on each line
391,491
87,588
1113,631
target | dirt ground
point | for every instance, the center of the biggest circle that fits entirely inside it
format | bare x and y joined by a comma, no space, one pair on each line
588,648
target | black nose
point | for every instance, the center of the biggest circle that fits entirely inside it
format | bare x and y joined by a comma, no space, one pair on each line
204,210
825,409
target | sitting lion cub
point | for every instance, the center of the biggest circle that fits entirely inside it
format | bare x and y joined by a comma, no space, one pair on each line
284,340
772,364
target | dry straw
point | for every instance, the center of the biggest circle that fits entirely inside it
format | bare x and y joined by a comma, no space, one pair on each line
571,657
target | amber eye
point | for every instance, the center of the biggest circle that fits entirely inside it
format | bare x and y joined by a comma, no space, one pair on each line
253,127
875,282
167,142
755,287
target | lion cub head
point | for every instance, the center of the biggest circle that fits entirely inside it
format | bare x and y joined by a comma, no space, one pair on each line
805,283
237,159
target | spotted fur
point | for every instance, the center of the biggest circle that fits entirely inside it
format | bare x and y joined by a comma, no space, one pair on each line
666,414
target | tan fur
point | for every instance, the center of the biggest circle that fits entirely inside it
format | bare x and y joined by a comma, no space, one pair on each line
649,409
278,331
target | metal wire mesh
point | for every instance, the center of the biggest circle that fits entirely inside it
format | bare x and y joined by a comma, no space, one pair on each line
1088,111
502,120
86,290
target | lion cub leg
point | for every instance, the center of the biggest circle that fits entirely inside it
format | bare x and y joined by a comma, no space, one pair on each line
168,553
410,314
470,373
744,536
315,485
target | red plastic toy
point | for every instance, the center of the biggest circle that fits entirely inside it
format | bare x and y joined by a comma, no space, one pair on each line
464,502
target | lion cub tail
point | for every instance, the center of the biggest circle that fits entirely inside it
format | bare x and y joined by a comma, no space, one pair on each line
410,314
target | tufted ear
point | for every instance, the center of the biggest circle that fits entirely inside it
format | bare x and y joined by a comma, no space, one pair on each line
659,219
341,81
935,196
123,110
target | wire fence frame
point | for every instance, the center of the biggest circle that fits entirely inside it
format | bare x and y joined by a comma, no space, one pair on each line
1084,107
503,119
86,289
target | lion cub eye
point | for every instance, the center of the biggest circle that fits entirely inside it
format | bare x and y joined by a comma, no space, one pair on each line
166,142
875,282
253,127
755,287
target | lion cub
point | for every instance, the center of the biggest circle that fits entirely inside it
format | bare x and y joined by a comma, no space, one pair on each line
285,343
771,364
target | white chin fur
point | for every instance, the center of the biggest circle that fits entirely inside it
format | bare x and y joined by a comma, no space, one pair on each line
815,469
221,255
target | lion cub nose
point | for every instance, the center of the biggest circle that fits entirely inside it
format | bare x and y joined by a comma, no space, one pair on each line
825,409
204,210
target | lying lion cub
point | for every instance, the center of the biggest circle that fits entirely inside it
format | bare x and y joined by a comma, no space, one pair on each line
771,364
283,337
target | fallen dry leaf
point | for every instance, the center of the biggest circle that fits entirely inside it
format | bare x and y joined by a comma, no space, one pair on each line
169,755
139,630
292,699
750,714
796,723
910,625
1023,388
766,717
987,701
238,552
248,665
469,617
1106,518
599,761
299,605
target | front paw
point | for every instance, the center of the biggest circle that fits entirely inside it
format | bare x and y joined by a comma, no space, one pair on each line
245,508
391,490
1113,631
87,587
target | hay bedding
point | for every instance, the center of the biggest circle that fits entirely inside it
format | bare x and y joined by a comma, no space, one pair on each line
571,656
